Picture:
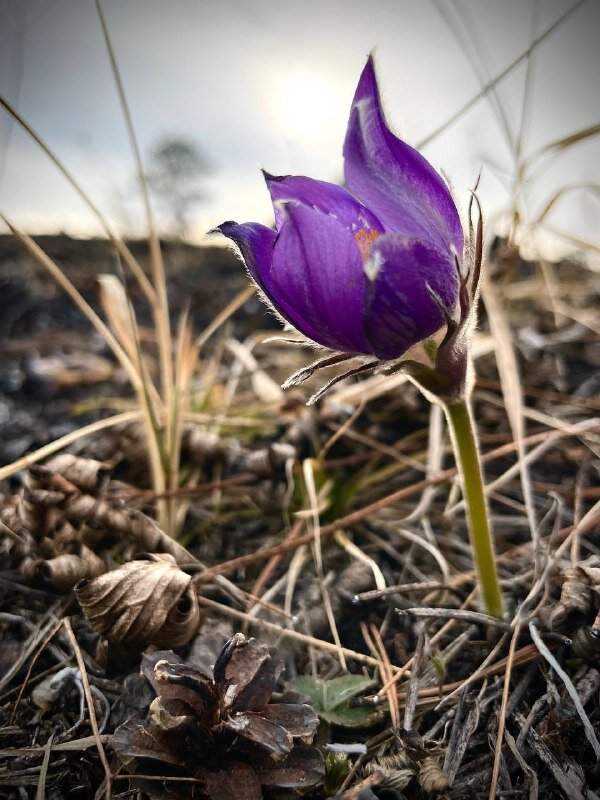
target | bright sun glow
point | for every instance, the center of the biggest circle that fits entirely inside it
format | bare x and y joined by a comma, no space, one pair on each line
307,106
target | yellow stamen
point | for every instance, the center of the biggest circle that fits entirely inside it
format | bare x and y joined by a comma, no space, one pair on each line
364,240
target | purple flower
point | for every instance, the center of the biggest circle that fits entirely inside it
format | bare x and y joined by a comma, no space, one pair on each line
368,271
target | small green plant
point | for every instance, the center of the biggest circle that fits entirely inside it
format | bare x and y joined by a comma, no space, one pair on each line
337,766
331,699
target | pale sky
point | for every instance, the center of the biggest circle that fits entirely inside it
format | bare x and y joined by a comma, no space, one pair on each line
270,82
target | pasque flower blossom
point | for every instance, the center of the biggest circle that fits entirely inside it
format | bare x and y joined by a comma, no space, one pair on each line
366,271
371,270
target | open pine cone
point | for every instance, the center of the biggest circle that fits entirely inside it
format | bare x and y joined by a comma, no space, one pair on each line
221,731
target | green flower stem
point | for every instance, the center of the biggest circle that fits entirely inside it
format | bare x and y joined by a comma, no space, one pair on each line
466,453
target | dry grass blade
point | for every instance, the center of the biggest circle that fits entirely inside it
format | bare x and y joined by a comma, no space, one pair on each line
120,246
65,284
502,717
568,778
548,441
471,47
355,551
222,317
478,672
160,306
135,374
455,613
119,313
387,676
265,388
311,490
578,241
64,441
510,381
60,747
435,458
40,793
564,190
564,143
288,633
90,704
420,541
384,502
500,77
529,772
545,652
413,686
186,356
40,650
121,317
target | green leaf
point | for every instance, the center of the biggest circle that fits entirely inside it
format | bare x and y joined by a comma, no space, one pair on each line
338,691
347,717
330,699
313,688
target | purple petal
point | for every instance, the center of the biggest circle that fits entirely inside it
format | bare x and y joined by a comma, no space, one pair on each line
400,310
317,279
256,246
256,242
335,201
393,179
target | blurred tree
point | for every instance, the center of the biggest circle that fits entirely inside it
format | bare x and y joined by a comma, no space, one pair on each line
176,172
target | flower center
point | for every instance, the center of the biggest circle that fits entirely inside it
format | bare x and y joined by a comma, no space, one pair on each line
365,240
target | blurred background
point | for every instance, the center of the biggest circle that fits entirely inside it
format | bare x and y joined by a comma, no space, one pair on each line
218,89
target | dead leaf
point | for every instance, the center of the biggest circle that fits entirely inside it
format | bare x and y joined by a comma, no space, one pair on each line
86,474
578,604
64,571
149,602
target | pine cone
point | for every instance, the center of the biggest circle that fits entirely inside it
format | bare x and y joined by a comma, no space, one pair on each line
221,731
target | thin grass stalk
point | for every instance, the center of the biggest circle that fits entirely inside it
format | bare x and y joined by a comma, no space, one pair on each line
136,379
185,360
499,78
119,244
125,253
160,307
512,392
518,182
150,399
470,44
67,286
64,441
224,315
122,319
